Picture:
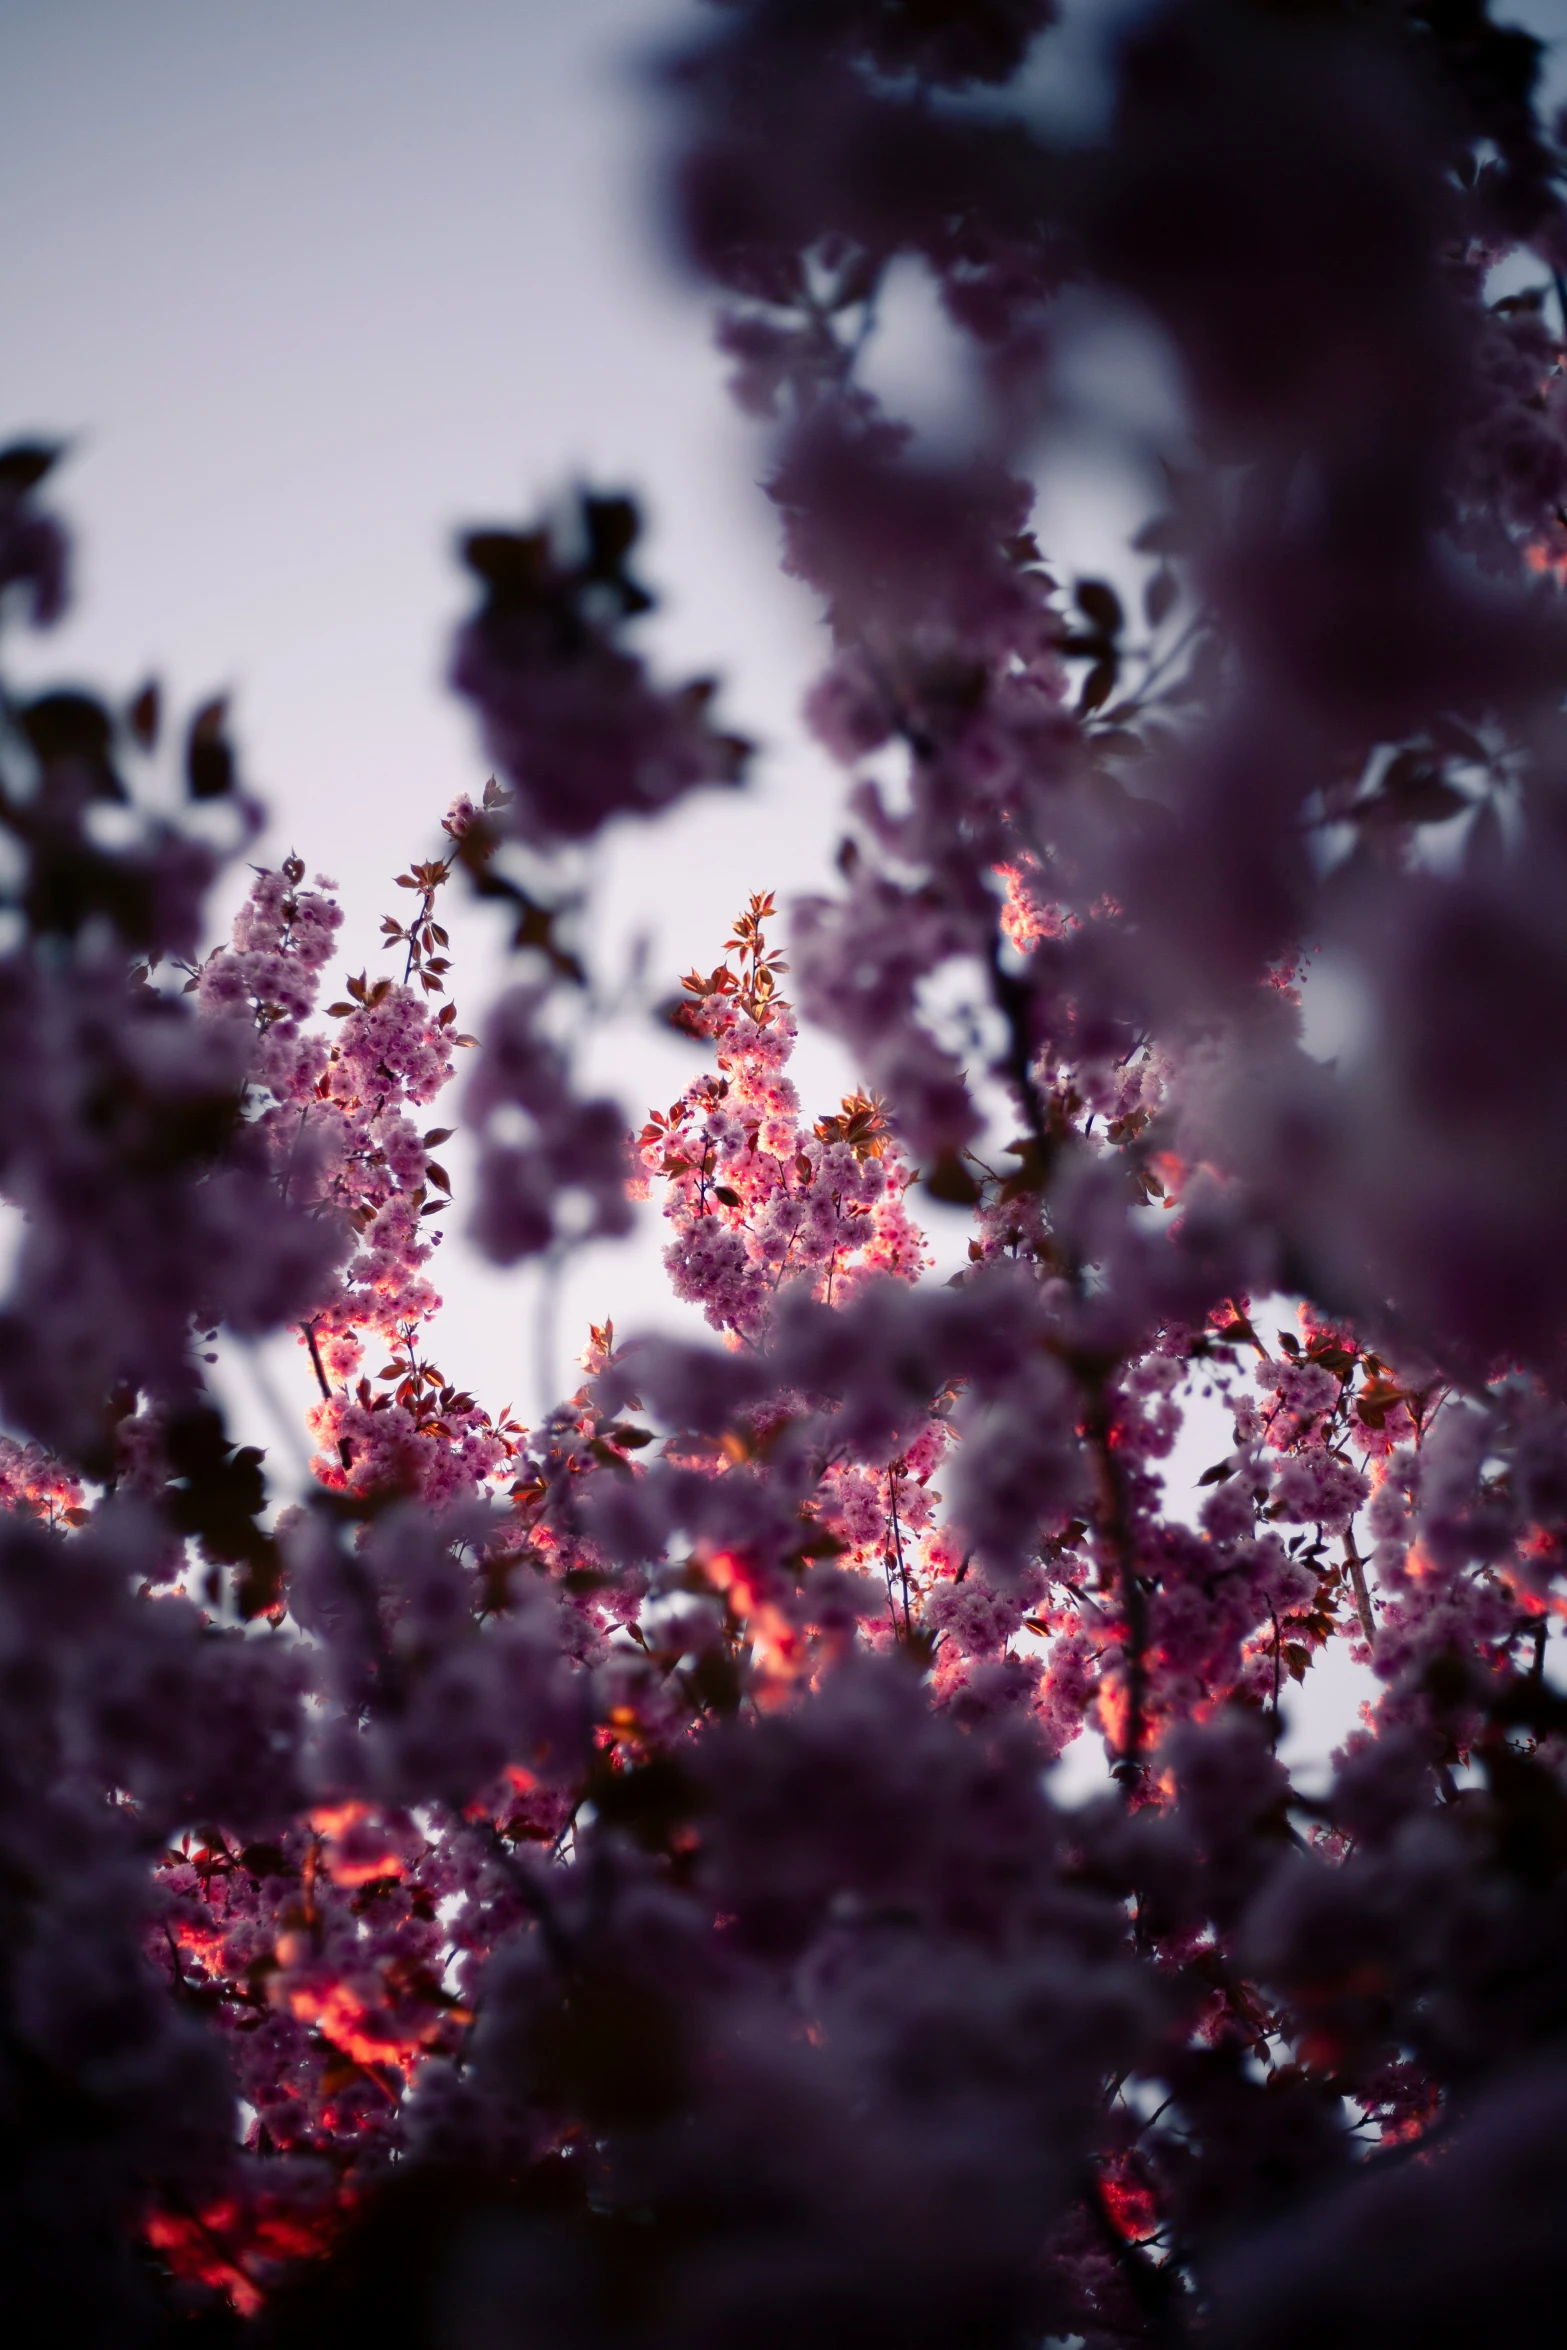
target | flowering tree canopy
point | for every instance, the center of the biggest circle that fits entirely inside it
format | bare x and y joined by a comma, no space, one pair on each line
604,1883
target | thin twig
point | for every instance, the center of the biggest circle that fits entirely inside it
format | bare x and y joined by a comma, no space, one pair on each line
1357,1576
308,1333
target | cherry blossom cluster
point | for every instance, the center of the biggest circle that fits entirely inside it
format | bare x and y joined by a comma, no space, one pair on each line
757,1201
334,1112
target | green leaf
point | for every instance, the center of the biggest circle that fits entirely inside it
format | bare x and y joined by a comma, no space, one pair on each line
23,464
209,761
951,1181
143,716
1098,686
1098,601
